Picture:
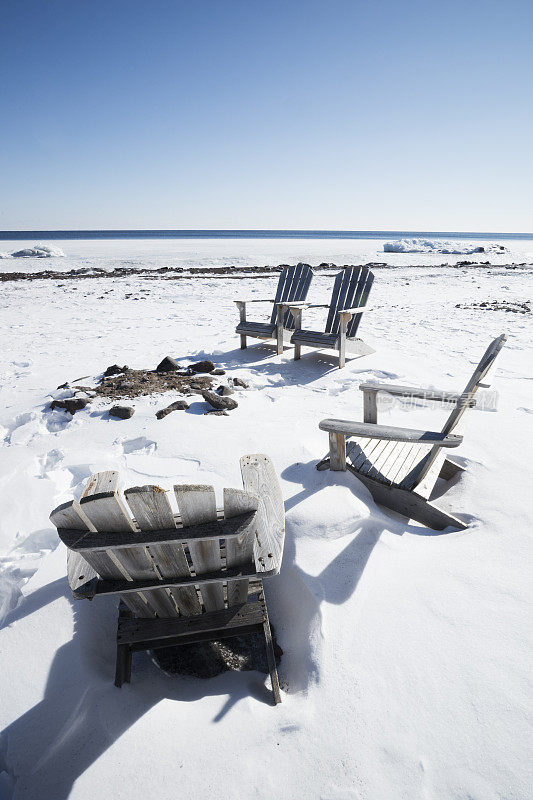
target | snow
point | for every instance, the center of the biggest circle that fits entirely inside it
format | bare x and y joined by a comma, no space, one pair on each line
406,666
37,251
440,246
92,255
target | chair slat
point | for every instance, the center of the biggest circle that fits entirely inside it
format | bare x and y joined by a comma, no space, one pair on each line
105,484
108,512
151,508
197,504
362,292
295,286
260,479
239,552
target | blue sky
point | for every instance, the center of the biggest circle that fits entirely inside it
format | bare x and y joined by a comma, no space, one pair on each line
230,114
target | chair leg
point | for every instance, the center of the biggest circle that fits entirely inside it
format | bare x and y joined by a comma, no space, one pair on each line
279,330
271,659
123,665
337,452
297,351
123,668
243,341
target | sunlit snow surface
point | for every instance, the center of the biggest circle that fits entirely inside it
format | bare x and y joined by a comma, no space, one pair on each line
443,247
407,654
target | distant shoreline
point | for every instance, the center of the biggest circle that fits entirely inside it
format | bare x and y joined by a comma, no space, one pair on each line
251,234
231,272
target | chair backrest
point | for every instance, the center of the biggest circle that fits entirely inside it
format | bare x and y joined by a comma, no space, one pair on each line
137,537
293,285
475,382
350,290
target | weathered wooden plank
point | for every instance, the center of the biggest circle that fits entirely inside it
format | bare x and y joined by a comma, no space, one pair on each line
131,631
360,300
349,428
206,579
105,540
410,505
107,511
239,550
260,479
105,563
152,511
415,392
197,506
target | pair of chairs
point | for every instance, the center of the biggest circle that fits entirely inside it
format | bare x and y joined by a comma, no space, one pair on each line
349,299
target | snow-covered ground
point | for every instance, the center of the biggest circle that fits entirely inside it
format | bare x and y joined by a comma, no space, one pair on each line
406,667
155,253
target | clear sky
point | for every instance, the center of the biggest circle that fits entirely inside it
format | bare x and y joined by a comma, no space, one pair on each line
341,114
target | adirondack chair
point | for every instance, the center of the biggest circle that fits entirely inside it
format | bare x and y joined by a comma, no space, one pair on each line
293,285
197,576
400,466
348,302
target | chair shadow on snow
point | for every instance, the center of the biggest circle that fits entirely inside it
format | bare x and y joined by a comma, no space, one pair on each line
262,357
82,713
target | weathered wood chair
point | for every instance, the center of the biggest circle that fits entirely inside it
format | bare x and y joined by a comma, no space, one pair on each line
400,466
348,302
293,285
197,576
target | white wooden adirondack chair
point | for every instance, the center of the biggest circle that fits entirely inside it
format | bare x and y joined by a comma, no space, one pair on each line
400,466
293,285
197,576
349,299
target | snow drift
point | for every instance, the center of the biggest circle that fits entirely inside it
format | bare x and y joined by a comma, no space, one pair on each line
439,246
37,251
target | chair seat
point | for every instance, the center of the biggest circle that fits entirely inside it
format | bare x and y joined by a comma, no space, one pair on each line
315,338
258,330
391,463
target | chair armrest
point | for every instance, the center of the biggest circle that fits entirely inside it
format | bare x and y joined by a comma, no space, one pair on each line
301,304
370,430
353,311
254,300
415,392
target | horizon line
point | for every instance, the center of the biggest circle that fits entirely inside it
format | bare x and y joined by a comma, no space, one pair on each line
111,233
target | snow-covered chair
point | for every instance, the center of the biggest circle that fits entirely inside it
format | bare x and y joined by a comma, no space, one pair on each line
400,466
348,302
196,576
293,285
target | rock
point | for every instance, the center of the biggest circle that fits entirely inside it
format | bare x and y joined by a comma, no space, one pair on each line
218,371
202,366
64,385
114,369
72,404
178,405
219,412
168,364
225,391
240,382
218,402
122,412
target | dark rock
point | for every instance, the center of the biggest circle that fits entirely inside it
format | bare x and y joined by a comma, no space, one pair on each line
240,382
225,391
178,405
202,366
72,404
64,385
207,659
219,402
114,369
218,371
217,413
122,412
168,364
